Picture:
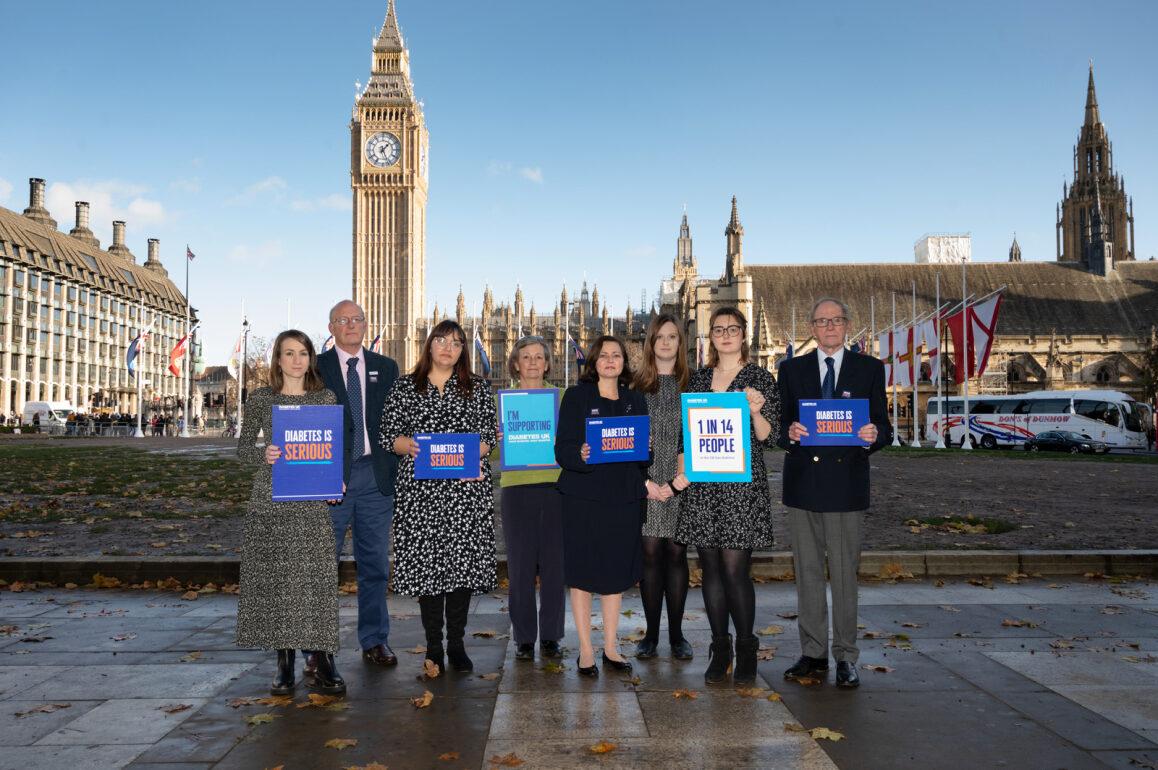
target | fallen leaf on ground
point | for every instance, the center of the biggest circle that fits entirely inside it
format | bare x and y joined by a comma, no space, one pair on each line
603,747
635,681
794,727
635,636
506,760
981,582
770,630
894,570
419,650
909,624
43,708
765,653
554,668
237,703
195,655
430,669
1015,577
774,697
341,743
190,596
1014,623
688,694
806,681
371,766
8,630
1062,644
823,733
750,692
100,581
485,634
489,677
262,719
176,708
317,701
450,756
275,700
423,700
1111,610
1140,659
878,669
628,613
123,637
948,608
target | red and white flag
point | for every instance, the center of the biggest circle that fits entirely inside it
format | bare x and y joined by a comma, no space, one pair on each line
178,352
885,346
981,322
930,343
903,351
235,357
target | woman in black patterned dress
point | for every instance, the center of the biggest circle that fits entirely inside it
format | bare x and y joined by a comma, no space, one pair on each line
725,521
662,376
444,534
289,579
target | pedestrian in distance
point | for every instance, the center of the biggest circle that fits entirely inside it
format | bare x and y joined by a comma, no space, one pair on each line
662,376
444,534
726,521
602,502
826,490
288,597
532,519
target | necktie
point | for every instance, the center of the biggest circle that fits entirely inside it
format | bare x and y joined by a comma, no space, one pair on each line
354,393
828,387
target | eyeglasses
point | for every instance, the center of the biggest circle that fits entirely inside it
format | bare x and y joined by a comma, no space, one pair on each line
357,320
828,323
727,331
448,342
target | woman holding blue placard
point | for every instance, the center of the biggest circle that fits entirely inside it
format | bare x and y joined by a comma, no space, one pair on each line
444,535
725,521
662,376
289,578
532,512
602,509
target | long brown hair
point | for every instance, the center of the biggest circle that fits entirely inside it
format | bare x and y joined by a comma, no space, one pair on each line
425,363
590,374
312,381
647,378
713,356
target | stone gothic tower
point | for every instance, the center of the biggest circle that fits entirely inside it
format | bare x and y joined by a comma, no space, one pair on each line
1015,250
734,266
1094,178
389,149
684,265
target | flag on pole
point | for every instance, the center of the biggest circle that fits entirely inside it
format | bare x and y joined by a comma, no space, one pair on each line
979,321
189,253
930,341
235,358
787,355
178,352
904,352
885,345
580,359
134,350
483,358
376,345
329,343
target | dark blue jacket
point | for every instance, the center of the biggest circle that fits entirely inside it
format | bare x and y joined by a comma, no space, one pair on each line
381,372
605,482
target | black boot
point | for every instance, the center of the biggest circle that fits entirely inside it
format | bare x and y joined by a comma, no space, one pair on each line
745,672
719,659
431,610
457,607
327,679
283,683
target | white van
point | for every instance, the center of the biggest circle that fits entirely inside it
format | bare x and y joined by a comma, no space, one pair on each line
51,412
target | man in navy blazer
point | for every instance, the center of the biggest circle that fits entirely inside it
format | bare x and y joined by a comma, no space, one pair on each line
826,490
362,380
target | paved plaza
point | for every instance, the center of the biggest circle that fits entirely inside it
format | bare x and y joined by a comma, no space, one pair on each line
1035,674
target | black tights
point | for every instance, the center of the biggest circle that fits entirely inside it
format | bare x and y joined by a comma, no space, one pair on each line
728,590
665,574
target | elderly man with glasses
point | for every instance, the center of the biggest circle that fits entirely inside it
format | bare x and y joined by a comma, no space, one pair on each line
826,490
362,380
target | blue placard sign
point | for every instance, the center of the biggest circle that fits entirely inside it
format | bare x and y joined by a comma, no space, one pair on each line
618,439
717,436
447,456
833,421
310,439
529,420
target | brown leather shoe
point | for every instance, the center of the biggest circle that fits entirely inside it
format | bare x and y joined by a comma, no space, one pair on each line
380,655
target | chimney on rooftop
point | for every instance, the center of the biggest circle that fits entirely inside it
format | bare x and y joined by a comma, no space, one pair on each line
118,247
82,232
36,211
153,261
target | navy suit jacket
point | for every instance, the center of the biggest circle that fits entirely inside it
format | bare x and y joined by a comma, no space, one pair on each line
830,478
605,482
381,372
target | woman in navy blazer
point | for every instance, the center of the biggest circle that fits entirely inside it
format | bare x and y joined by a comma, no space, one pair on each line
602,503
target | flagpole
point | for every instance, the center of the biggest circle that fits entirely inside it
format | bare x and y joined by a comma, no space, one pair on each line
915,357
566,344
893,358
793,346
965,442
241,368
940,364
137,372
873,325
186,369
473,337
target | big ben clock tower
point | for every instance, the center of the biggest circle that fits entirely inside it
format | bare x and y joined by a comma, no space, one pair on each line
388,173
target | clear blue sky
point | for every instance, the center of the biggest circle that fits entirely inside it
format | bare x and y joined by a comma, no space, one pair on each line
567,137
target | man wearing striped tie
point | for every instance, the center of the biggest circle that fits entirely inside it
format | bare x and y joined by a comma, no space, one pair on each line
362,380
826,490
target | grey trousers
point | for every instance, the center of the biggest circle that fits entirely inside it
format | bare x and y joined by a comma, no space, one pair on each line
839,535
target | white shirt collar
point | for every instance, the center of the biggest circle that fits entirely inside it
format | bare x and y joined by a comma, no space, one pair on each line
343,357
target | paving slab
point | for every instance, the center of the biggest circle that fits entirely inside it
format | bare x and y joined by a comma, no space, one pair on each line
530,716
144,680
123,721
13,679
21,725
68,757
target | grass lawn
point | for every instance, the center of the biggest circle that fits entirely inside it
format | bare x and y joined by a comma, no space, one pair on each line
53,483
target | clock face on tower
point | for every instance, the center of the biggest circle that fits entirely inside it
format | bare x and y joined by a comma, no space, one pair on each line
383,149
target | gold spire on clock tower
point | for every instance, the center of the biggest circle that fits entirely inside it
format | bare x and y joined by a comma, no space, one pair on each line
389,149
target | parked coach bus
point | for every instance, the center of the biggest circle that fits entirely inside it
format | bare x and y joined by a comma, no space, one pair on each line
1104,415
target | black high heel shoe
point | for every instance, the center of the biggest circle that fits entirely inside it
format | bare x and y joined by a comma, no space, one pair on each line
591,671
621,666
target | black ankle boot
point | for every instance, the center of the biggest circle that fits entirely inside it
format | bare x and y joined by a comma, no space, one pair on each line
327,679
283,683
457,607
431,608
719,659
745,672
